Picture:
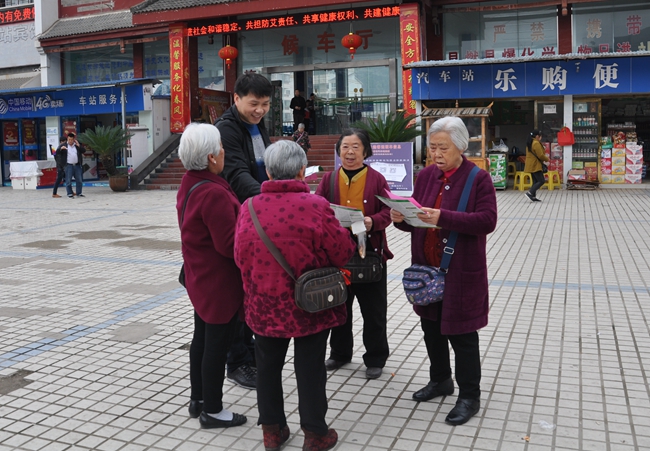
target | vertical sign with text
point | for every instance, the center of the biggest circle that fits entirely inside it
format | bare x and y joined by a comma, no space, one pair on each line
409,33
179,78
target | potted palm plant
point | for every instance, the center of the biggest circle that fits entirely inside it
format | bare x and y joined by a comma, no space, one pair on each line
106,142
397,127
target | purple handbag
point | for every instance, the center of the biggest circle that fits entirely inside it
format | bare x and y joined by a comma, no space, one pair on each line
423,285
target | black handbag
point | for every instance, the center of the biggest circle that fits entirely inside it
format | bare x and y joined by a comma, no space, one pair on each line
181,274
362,270
544,167
315,290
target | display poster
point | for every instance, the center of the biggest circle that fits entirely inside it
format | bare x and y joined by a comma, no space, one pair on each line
29,132
213,104
10,134
69,126
395,162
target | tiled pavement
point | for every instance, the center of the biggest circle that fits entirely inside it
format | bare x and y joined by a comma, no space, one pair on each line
95,328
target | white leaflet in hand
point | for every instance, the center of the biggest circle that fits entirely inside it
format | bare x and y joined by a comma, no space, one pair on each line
347,216
358,227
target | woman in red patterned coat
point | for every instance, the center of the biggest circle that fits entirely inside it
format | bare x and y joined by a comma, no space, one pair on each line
306,232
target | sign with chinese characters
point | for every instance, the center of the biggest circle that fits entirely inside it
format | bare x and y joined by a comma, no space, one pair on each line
17,15
179,78
74,102
339,15
409,33
611,30
507,34
625,75
395,162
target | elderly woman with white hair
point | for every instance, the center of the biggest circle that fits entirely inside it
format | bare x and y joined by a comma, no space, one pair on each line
304,229
465,304
207,215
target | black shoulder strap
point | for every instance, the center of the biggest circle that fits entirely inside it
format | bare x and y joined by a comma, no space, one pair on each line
187,196
331,199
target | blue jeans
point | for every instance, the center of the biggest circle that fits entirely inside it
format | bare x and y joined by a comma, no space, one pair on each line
76,171
60,175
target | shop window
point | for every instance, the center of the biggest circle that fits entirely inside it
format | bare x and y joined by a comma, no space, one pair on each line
210,66
98,65
611,27
156,59
499,34
4,3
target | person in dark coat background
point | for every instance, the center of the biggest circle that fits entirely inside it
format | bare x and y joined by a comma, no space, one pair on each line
212,279
298,105
465,305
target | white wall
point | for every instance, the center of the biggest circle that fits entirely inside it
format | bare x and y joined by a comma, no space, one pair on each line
47,12
18,42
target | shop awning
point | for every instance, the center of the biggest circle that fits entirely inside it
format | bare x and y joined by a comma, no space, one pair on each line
151,6
106,84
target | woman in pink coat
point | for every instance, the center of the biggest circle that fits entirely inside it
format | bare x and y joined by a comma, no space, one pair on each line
212,279
304,229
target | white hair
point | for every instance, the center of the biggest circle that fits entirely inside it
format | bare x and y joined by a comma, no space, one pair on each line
197,142
301,126
284,159
456,129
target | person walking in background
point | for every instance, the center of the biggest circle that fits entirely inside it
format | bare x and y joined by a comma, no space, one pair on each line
60,166
465,304
307,234
355,185
245,138
298,106
71,156
207,215
535,155
301,137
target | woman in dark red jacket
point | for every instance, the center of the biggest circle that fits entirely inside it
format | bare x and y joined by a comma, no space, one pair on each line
464,308
212,279
355,185
304,229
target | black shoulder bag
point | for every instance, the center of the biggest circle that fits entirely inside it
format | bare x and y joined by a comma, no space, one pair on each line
315,290
181,275
365,269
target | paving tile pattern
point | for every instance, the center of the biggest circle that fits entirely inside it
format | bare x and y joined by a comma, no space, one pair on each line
93,321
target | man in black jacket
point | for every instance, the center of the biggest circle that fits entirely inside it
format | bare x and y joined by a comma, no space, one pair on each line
60,166
71,157
298,105
244,139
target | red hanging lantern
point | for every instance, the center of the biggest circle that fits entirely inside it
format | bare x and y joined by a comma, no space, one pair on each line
228,53
352,42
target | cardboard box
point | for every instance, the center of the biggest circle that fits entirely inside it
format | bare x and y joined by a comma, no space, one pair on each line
618,170
633,149
604,178
591,164
591,174
633,178
606,153
618,161
605,162
576,174
578,164
634,159
618,179
18,183
634,169
618,152
606,170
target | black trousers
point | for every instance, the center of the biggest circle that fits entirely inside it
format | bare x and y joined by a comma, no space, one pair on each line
373,303
468,359
311,377
242,349
208,352
60,176
538,181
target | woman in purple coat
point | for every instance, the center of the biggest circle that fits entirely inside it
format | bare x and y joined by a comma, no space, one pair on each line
355,185
464,308
304,229
212,279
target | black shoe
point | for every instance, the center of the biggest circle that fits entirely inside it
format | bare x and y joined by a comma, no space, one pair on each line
434,389
373,372
208,422
535,199
331,364
463,411
530,196
195,408
80,195
244,376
